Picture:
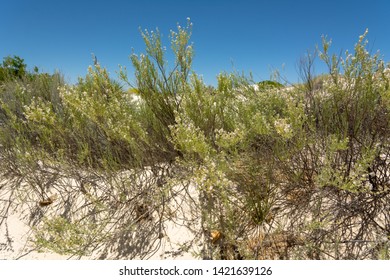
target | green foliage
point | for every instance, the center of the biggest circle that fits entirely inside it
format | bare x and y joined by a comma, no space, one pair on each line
311,160
12,67
267,84
64,237
162,88
105,118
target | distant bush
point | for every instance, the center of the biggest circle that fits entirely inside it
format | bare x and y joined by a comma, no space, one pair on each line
12,67
269,84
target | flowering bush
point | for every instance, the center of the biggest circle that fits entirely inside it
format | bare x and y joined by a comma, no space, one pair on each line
308,164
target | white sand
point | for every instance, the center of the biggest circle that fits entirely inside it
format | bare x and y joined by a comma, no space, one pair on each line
16,236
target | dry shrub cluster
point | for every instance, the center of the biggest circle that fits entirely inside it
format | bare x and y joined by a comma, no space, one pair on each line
253,172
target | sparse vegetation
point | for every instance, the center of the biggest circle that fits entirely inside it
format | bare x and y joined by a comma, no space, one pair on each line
253,172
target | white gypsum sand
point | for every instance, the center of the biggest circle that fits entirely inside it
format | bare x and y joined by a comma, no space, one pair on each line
16,234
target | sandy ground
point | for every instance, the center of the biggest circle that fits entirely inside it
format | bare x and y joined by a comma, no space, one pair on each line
19,247
16,236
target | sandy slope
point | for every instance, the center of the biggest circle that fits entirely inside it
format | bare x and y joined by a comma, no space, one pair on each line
17,245
15,237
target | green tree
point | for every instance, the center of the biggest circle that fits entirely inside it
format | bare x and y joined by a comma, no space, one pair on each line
12,67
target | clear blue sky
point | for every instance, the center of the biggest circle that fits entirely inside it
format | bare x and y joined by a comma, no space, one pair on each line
245,35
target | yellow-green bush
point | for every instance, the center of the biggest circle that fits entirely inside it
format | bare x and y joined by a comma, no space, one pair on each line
308,162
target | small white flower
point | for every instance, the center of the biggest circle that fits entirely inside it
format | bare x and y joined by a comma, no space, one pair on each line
282,127
383,156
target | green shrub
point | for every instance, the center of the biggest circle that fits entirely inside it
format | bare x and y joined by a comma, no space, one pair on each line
306,165
12,67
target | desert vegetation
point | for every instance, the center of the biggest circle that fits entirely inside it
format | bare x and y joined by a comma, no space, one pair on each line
253,172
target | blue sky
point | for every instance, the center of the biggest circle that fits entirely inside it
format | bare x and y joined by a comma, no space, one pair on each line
250,36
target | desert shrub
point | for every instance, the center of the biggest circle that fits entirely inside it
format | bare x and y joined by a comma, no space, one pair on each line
341,172
103,117
102,152
235,140
160,87
254,171
17,96
313,158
